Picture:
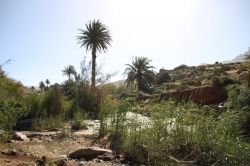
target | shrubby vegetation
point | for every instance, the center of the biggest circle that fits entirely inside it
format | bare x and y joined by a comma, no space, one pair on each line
177,131
172,132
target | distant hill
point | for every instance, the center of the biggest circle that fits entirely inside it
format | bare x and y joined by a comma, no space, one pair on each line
239,58
118,83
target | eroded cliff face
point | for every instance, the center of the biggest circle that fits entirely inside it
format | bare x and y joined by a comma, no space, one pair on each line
201,95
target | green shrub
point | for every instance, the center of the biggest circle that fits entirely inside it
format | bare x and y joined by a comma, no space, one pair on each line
5,137
53,102
182,131
89,100
78,121
10,112
215,82
69,88
162,77
239,98
50,123
36,106
10,88
47,104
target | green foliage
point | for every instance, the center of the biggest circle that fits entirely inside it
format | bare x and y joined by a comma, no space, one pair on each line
53,102
68,71
9,88
221,81
96,37
70,88
50,123
89,100
48,107
42,85
239,102
239,98
181,131
140,73
10,111
78,121
5,137
36,106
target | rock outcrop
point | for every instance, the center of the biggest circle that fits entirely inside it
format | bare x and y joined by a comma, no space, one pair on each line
201,95
25,124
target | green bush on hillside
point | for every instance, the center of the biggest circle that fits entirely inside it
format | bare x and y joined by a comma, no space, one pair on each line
162,77
10,112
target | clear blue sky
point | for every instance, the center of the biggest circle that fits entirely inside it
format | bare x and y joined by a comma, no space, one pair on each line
40,35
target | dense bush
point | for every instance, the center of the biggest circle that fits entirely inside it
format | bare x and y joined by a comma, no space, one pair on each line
78,121
239,102
10,88
12,105
36,106
183,132
89,100
162,77
221,81
10,112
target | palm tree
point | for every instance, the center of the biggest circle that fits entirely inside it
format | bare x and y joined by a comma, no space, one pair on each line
96,37
41,85
140,73
68,71
47,82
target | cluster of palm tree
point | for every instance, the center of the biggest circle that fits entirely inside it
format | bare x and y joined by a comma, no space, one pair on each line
42,85
96,37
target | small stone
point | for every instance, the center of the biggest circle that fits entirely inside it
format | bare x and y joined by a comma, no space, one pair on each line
20,136
82,163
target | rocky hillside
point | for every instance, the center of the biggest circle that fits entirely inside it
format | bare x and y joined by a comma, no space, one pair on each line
239,58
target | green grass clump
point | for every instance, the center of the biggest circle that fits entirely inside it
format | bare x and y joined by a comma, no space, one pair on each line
78,121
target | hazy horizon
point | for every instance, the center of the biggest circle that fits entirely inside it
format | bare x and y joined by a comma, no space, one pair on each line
40,36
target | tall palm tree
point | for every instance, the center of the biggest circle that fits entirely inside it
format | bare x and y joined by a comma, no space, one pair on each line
140,73
96,37
68,71
47,82
41,85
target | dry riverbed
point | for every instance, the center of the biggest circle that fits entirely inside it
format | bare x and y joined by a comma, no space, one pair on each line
56,148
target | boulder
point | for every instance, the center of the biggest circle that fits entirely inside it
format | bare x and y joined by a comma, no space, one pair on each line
2,132
9,152
20,136
25,124
89,153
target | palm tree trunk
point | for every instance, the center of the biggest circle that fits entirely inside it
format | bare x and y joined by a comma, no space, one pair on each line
93,68
139,82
